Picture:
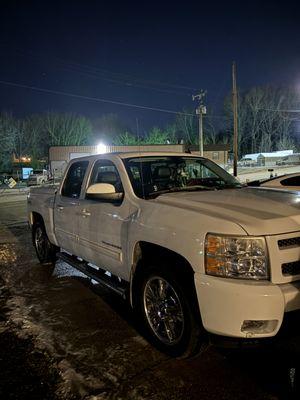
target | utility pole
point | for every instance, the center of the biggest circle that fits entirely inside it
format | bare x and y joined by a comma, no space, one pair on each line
200,111
235,120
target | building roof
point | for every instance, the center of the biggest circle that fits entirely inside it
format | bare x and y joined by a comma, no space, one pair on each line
133,154
280,153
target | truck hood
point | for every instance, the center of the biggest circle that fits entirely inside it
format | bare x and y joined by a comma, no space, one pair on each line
259,211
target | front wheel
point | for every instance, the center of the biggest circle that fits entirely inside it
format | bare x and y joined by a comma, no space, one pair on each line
169,312
45,251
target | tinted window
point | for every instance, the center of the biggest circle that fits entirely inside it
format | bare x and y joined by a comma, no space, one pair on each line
105,171
293,181
73,182
151,175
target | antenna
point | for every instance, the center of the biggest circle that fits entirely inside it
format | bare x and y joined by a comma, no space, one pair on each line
141,164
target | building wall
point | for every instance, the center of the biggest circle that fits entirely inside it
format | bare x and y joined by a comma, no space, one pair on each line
59,156
62,153
219,156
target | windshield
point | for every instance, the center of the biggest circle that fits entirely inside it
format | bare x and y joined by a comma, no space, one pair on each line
152,176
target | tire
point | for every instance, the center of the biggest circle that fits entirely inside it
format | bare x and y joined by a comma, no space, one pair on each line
169,311
45,251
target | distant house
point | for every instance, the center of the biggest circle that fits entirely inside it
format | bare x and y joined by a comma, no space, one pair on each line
290,159
59,156
266,159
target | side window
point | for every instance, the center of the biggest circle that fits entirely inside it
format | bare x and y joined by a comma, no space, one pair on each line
292,181
73,182
105,171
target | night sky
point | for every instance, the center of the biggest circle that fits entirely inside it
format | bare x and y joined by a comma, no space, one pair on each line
155,54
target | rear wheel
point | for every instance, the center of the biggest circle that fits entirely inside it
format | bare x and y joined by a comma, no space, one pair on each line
45,251
168,309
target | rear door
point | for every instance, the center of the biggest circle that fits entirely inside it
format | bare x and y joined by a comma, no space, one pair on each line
66,206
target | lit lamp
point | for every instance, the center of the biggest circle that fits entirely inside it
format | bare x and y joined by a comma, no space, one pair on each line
101,148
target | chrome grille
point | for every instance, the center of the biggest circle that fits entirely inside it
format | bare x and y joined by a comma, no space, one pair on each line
291,268
284,257
284,243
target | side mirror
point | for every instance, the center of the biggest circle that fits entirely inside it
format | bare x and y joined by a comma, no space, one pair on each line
103,191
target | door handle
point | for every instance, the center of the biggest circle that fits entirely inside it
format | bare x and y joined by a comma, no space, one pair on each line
59,208
85,213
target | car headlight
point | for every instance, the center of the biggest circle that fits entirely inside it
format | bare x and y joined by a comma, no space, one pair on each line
236,257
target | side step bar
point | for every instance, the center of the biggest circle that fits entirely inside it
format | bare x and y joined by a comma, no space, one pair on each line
111,282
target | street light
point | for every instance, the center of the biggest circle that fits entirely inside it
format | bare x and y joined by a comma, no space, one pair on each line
101,148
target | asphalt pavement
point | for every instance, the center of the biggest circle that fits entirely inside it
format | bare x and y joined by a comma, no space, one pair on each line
63,337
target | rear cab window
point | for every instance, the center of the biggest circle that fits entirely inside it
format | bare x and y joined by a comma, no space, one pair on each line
74,179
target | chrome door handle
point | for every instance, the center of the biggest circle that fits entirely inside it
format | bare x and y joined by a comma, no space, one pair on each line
85,213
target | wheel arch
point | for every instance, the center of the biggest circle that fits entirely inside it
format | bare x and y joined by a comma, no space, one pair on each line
146,253
35,218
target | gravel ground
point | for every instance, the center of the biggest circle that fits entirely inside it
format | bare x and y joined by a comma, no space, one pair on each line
62,337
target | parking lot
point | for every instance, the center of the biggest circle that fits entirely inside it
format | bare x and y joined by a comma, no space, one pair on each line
63,337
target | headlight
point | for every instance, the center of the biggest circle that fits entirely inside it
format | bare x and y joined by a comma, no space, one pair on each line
236,257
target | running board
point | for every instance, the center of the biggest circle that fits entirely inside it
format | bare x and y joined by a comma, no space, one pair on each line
112,282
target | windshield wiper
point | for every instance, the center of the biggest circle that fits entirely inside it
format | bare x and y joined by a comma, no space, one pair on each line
229,186
180,189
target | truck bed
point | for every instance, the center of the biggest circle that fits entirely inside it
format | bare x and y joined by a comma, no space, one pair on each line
43,198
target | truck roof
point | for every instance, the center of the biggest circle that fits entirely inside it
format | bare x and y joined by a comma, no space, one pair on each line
131,154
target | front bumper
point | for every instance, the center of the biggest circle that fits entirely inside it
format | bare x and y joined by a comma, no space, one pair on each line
225,305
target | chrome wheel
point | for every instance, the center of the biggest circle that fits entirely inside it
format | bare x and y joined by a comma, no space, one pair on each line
163,310
40,242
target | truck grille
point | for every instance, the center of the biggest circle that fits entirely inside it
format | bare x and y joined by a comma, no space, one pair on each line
284,257
284,243
291,268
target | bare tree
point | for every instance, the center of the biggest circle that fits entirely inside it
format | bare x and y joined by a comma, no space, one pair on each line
8,134
186,123
67,129
108,127
264,123
34,137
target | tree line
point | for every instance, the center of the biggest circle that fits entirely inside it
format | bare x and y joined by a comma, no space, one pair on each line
267,121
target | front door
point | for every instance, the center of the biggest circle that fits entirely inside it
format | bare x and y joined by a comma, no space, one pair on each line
102,227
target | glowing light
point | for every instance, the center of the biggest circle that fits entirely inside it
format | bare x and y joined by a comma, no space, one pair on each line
101,148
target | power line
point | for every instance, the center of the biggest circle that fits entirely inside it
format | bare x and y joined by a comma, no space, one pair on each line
123,82
96,99
78,96
117,76
279,110
111,76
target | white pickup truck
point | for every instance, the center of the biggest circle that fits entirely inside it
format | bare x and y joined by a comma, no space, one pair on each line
192,249
38,177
